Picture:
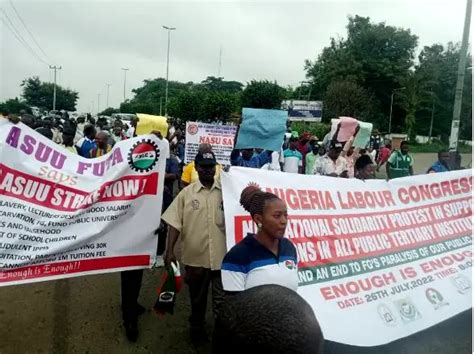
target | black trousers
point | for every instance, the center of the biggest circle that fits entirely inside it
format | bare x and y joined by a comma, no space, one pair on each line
131,282
198,280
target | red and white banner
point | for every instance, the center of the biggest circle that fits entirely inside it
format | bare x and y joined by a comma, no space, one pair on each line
395,255
62,215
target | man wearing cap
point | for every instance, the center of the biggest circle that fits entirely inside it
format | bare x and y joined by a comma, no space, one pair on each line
332,164
197,217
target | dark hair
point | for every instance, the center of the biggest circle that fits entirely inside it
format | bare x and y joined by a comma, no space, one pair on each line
363,161
88,129
293,139
253,199
442,151
404,142
260,319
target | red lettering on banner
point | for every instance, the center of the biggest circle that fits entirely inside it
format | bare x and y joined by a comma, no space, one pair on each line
59,268
49,194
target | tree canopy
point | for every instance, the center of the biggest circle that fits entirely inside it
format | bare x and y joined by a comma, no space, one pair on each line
40,94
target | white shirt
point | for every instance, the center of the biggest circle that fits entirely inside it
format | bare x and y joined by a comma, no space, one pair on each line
325,166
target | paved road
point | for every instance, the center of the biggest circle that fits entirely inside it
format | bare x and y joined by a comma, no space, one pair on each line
82,315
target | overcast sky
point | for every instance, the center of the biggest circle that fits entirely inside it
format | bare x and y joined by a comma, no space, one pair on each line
93,40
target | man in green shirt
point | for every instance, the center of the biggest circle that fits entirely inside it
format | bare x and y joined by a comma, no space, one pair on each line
311,157
400,163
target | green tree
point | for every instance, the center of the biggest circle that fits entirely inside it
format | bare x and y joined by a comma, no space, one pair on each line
437,69
263,94
109,111
218,84
346,98
40,94
13,105
374,55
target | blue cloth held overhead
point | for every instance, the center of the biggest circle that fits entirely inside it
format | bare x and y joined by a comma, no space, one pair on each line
262,128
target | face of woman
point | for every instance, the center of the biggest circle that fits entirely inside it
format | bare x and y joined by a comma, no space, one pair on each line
274,218
368,172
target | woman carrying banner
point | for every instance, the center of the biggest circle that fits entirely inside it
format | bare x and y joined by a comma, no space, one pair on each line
265,257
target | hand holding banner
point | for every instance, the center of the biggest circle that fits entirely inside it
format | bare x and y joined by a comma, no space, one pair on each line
262,128
395,255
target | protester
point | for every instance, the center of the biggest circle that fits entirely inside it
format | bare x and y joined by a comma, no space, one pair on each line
68,142
351,157
384,154
364,168
171,175
292,159
265,257
130,285
311,157
28,120
190,174
197,217
373,154
332,164
246,158
442,165
400,163
133,126
57,134
303,147
87,143
321,151
102,146
268,319
45,128
374,144
81,124
117,133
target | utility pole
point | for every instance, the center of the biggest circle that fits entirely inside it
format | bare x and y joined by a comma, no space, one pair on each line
220,62
391,108
108,87
98,104
432,117
161,104
124,82
453,139
55,68
169,29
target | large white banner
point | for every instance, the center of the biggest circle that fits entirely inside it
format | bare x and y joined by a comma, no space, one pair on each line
62,215
221,137
393,256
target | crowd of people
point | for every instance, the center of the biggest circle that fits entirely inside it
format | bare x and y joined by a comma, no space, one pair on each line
193,214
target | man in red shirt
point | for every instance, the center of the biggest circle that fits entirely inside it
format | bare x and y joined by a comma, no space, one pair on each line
384,154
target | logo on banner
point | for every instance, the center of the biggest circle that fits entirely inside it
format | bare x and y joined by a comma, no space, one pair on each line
461,283
386,315
193,129
143,156
435,297
407,310
195,204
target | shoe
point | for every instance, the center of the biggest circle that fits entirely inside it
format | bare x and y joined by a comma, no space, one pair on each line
131,332
140,309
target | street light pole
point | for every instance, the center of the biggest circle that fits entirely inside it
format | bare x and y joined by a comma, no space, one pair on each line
169,29
55,68
98,104
108,87
453,139
391,109
432,117
124,81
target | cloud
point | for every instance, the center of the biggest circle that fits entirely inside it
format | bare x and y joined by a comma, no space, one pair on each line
260,40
